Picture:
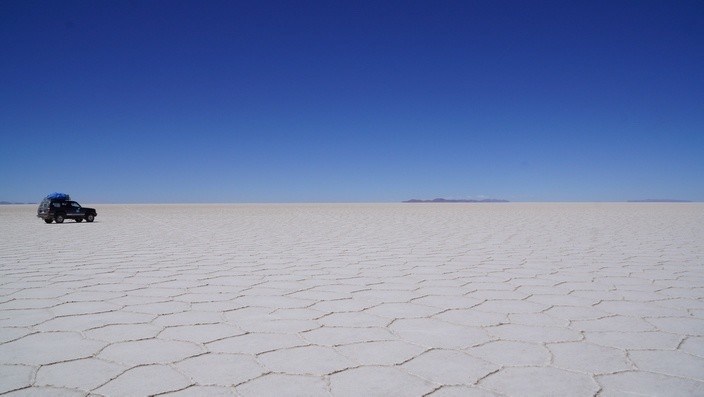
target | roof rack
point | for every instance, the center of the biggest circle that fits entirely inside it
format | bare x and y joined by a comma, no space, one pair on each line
58,196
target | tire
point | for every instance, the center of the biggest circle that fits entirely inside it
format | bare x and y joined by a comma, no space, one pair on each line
90,218
79,220
59,218
48,220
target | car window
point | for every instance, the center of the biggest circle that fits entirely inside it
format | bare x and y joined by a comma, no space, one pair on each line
75,205
56,205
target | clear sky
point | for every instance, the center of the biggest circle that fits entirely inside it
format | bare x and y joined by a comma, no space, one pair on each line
346,101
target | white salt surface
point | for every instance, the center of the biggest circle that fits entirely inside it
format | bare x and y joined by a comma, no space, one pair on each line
355,300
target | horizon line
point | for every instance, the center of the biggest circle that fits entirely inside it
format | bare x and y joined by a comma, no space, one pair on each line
374,202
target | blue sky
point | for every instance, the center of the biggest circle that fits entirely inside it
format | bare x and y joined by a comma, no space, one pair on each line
171,101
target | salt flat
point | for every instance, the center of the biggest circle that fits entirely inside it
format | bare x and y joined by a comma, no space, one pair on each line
355,300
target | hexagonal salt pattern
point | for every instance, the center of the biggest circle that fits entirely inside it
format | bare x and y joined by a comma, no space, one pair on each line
366,299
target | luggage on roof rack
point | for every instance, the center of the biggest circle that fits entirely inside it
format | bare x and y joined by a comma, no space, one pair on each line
58,196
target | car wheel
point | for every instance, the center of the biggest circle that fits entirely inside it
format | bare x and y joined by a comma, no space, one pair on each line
79,220
90,218
59,218
48,220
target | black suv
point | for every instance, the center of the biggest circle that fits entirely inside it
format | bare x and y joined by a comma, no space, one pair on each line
58,209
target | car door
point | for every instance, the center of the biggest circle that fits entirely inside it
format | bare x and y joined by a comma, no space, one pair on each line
74,210
56,207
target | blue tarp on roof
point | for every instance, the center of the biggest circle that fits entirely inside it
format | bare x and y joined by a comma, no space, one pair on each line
58,196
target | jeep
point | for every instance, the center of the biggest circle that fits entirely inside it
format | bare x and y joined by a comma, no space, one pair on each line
59,208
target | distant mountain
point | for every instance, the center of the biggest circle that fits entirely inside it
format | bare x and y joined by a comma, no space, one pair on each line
442,200
659,201
12,202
